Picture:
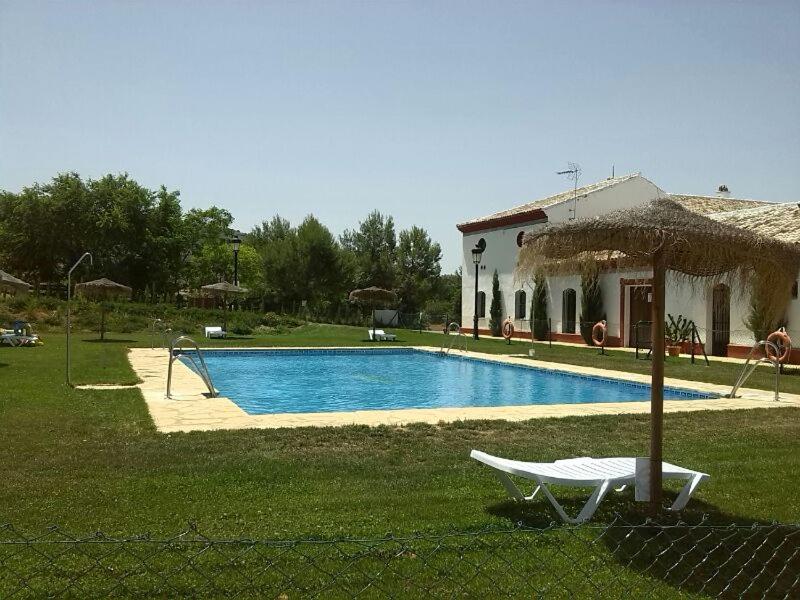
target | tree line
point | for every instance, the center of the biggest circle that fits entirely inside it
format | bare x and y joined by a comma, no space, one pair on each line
143,238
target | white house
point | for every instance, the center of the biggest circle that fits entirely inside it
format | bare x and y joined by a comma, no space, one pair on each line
718,312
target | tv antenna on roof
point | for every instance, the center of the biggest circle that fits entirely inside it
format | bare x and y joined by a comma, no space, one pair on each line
573,173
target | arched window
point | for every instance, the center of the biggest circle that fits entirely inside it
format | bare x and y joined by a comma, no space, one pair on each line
568,311
481,304
519,304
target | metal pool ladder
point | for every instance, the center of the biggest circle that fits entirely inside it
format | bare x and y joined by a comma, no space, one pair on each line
453,328
748,368
201,369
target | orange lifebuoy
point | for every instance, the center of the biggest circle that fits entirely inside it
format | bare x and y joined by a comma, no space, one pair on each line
600,326
783,342
508,328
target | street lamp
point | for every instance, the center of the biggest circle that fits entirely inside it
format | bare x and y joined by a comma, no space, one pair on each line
477,253
235,243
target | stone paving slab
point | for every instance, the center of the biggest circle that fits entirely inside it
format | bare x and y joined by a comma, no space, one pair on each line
191,409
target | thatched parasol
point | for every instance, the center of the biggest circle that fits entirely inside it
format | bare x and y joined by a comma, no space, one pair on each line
372,296
12,285
103,290
667,236
224,290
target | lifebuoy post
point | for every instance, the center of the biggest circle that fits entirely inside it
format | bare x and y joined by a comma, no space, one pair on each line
508,329
600,329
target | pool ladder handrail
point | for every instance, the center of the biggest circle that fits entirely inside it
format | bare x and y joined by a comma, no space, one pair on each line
201,369
749,369
453,327
159,326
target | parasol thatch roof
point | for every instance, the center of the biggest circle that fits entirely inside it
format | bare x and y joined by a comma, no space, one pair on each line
711,204
691,244
373,295
779,221
103,289
9,283
223,288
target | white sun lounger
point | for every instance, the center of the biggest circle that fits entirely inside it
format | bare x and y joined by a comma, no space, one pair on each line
381,336
214,332
600,473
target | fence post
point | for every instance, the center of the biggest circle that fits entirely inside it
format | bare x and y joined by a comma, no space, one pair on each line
693,342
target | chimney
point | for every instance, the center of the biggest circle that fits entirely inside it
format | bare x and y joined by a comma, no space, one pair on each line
723,191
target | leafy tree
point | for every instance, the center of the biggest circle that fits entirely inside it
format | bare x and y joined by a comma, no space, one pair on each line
299,264
418,268
495,309
206,249
373,245
591,304
322,277
445,297
276,243
539,322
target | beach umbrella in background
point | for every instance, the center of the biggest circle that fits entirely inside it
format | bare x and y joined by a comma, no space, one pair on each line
663,235
12,285
226,292
373,296
103,290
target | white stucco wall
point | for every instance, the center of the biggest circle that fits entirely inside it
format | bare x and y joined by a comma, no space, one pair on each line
690,300
502,250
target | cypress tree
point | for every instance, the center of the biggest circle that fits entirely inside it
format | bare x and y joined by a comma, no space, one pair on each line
539,307
591,304
495,309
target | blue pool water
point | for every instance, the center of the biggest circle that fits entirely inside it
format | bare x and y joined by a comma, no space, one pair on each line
281,381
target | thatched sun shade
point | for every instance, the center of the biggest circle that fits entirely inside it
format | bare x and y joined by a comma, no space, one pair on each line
373,296
12,285
103,290
224,290
666,236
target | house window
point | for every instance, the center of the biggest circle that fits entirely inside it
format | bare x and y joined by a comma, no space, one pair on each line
519,304
481,305
568,311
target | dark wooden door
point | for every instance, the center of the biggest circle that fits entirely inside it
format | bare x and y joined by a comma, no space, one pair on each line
720,320
641,307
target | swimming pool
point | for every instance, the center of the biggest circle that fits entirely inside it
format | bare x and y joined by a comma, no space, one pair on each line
301,381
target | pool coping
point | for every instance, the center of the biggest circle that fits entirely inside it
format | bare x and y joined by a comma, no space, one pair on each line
191,409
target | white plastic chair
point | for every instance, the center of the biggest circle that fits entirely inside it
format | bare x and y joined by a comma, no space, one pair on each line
214,332
602,474
381,336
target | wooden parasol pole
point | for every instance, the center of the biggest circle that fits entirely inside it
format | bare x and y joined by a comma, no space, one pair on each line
657,383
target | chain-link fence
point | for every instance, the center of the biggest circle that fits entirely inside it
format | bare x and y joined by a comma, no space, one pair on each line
616,560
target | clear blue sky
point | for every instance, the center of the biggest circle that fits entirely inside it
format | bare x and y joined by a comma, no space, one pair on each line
434,112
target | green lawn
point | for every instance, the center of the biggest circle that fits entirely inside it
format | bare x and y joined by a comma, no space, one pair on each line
92,460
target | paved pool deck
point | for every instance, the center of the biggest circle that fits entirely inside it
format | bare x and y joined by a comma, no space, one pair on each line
191,408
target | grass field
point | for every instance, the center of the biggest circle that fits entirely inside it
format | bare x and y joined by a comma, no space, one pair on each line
92,460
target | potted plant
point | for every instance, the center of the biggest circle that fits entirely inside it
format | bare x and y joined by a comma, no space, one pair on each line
677,332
